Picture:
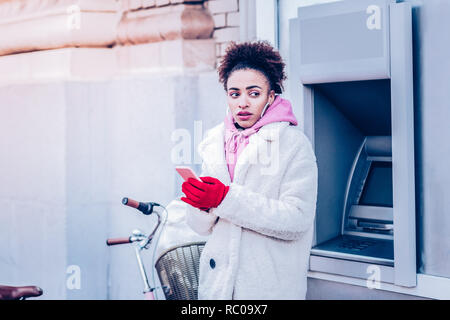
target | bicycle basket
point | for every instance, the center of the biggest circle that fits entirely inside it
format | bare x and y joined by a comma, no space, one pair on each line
178,271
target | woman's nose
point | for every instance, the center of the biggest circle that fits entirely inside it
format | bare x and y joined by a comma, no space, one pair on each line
243,102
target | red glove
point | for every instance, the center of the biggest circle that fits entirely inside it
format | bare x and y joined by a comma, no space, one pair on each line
206,194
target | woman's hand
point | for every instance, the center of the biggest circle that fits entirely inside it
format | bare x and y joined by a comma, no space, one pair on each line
204,195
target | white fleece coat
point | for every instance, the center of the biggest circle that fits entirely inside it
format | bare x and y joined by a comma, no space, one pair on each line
260,235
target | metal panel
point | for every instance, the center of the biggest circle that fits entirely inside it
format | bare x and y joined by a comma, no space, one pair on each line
350,268
431,26
344,41
336,141
370,212
403,145
324,289
295,84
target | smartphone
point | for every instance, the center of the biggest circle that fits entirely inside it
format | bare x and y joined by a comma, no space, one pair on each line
186,173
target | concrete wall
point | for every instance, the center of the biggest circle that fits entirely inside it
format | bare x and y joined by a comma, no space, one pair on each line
70,151
33,212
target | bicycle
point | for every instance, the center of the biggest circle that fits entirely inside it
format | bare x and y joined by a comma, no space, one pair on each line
177,266
143,241
23,292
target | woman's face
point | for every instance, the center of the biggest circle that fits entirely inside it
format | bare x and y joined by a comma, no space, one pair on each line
247,94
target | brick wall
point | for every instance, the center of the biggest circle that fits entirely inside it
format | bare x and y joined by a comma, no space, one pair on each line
226,23
225,14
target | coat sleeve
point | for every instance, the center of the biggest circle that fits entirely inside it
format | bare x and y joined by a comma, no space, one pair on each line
200,221
284,218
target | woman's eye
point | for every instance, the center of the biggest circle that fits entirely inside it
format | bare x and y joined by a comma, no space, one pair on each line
254,93
234,94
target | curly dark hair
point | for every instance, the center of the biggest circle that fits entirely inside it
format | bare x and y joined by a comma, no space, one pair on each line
258,55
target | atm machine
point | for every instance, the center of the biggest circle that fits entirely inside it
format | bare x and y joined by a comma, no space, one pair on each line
367,217
351,62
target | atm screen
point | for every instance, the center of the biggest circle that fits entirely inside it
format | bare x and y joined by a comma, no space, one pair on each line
377,189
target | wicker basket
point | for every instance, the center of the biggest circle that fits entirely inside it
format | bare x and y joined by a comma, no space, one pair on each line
178,268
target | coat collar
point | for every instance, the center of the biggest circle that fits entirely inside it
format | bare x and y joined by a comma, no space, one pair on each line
212,150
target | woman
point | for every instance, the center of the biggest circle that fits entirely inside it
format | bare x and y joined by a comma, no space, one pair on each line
258,195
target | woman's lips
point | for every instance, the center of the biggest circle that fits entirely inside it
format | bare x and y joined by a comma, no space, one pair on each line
244,115
244,118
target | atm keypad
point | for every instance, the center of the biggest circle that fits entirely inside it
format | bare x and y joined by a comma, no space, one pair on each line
357,245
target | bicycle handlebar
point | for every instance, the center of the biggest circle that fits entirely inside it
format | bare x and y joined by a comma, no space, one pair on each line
114,241
147,209
144,207
130,202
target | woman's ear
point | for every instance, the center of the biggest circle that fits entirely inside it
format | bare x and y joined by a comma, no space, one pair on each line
271,96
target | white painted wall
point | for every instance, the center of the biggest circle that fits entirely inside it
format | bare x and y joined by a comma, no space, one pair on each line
69,152
33,240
